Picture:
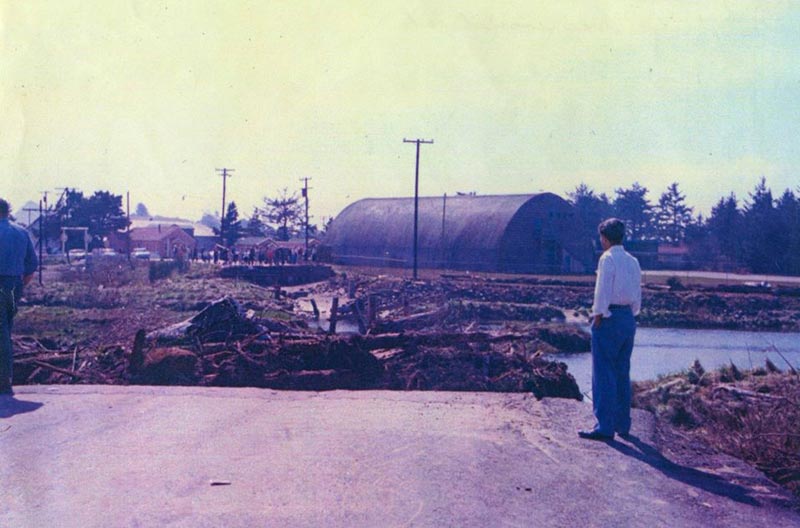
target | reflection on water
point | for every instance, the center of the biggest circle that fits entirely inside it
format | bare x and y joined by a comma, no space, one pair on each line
659,351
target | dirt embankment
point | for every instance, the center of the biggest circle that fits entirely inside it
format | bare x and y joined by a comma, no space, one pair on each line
753,415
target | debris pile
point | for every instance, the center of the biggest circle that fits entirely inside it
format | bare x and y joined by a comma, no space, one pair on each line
224,346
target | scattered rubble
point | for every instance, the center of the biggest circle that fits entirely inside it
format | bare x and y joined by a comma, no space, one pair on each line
455,332
412,337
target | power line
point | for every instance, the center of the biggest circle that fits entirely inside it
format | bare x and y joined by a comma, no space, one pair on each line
416,195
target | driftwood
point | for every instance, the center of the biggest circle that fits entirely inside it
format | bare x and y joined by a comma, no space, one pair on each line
744,393
48,358
48,366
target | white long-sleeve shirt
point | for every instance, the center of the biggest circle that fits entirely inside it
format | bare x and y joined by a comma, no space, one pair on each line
619,281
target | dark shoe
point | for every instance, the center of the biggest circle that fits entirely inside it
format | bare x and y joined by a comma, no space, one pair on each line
595,435
6,390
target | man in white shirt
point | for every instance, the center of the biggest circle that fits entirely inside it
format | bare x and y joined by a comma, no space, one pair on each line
617,299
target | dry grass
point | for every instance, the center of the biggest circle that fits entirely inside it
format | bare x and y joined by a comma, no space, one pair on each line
753,415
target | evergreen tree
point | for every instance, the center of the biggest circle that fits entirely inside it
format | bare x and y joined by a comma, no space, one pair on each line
700,243
672,215
590,210
632,207
231,225
788,211
725,229
763,239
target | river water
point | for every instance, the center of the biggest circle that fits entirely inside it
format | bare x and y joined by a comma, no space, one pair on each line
659,351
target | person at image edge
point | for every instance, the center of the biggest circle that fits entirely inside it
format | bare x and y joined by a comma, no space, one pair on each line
17,264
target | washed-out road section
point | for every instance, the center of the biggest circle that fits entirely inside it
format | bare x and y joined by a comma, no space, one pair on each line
86,456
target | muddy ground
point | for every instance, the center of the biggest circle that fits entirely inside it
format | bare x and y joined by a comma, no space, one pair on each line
200,329
447,331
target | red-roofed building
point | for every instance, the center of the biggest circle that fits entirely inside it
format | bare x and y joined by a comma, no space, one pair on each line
159,240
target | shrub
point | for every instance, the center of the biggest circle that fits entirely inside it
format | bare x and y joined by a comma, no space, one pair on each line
161,269
675,283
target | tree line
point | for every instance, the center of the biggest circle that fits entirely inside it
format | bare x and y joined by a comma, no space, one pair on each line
760,234
281,216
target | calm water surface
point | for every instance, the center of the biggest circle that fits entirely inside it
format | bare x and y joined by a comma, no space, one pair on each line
660,351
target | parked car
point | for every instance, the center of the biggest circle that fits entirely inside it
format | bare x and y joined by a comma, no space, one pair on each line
140,253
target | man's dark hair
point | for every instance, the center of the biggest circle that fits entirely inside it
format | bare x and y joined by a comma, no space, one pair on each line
613,229
4,208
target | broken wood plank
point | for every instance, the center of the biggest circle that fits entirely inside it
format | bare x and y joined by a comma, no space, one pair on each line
57,369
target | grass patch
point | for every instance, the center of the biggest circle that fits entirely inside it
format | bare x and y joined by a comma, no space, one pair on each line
750,414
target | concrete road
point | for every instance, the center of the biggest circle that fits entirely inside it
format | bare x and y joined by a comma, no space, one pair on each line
85,456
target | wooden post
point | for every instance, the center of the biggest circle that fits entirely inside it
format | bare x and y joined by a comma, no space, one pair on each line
372,309
333,315
316,309
351,289
362,325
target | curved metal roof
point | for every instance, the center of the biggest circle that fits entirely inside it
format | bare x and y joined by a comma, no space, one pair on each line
523,232
469,221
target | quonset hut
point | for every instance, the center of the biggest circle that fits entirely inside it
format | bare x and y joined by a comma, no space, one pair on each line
529,233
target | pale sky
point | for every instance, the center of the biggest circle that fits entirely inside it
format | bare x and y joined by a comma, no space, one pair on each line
151,96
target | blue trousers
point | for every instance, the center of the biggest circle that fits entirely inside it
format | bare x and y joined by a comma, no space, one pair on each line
10,292
612,345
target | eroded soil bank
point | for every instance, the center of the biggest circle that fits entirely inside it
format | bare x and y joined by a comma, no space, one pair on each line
753,415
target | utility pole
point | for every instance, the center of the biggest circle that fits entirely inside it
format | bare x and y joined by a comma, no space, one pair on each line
444,211
305,195
128,227
41,238
224,173
416,196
